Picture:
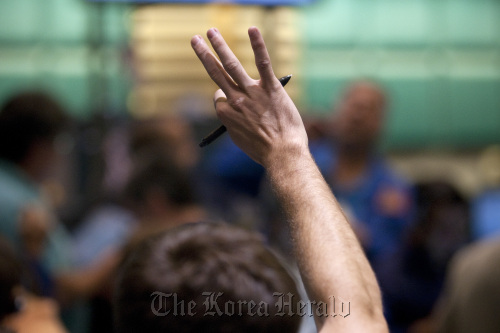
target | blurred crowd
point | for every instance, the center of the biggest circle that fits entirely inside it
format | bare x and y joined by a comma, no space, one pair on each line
75,198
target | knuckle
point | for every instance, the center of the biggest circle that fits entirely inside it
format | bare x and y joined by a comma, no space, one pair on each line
257,45
232,65
213,72
263,64
237,103
205,55
216,42
221,110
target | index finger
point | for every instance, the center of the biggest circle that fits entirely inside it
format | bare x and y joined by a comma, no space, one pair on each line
262,59
212,65
230,62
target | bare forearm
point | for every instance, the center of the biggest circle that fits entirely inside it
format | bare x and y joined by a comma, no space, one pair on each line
264,122
330,258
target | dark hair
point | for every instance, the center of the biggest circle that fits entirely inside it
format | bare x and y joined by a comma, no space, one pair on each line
160,173
191,260
10,277
434,196
443,216
26,118
149,138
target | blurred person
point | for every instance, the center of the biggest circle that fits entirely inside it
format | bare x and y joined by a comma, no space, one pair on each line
378,201
30,124
116,218
170,139
168,135
20,311
161,195
191,261
412,277
263,121
470,299
128,149
107,223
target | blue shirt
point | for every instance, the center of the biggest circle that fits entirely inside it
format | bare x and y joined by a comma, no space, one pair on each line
233,169
17,191
380,200
106,229
486,215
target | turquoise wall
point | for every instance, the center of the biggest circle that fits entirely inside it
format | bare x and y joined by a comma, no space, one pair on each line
69,47
438,59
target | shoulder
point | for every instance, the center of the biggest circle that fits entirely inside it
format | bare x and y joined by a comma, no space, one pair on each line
475,262
484,250
14,188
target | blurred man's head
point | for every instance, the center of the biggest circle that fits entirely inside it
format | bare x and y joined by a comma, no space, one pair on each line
29,123
168,281
171,136
359,116
158,186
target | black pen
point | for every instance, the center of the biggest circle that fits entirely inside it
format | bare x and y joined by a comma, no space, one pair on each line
219,131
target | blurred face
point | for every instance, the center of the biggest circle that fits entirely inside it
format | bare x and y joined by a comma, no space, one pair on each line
359,117
179,134
170,134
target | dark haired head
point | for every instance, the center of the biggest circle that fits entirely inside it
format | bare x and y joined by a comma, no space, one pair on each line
438,202
442,225
25,119
159,173
171,270
169,136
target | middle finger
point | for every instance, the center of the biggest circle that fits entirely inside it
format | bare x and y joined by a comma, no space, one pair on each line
212,65
230,62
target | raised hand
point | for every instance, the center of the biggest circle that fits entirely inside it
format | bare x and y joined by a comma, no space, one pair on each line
259,115
263,121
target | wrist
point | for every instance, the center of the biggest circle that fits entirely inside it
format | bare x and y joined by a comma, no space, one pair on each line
288,159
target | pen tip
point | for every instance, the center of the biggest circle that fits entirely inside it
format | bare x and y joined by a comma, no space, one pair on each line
284,80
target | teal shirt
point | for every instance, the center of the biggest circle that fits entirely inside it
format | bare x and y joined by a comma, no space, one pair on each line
16,192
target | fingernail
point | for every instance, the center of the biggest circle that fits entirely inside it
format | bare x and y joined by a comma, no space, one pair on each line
195,40
212,32
252,30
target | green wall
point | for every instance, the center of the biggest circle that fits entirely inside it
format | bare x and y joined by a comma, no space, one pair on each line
71,48
438,59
